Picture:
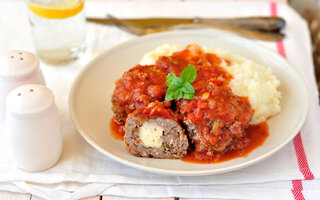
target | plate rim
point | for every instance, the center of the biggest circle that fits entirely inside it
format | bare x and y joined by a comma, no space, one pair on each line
91,141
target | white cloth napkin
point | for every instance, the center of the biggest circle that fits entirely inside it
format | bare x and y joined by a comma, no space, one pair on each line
83,171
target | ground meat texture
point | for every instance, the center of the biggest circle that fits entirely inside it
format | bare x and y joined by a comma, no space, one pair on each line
137,88
151,132
216,120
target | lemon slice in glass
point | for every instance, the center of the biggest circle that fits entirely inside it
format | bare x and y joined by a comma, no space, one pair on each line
57,10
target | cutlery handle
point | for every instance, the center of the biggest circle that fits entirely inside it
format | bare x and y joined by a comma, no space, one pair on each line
274,24
256,34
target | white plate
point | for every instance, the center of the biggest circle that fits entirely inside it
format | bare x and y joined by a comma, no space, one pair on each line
90,99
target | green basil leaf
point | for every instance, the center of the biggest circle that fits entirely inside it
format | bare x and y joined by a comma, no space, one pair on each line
189,74
173,93
187,88
188,96
171,79
181,87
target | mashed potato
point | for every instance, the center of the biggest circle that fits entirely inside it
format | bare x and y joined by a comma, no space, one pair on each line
249,79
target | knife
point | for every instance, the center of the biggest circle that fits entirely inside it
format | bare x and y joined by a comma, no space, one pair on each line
274,24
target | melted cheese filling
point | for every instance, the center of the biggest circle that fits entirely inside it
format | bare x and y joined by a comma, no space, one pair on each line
151,135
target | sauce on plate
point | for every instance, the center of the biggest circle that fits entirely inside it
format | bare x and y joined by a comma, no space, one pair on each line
256,134
116,129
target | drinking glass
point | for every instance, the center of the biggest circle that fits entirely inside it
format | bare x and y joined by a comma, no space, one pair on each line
58,29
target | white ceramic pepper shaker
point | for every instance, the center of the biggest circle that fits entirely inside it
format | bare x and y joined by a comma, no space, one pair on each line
33,127
17,68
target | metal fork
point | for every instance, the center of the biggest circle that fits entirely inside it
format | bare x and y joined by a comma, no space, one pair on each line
127,26
132,28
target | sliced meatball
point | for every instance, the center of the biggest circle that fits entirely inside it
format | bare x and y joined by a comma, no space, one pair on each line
155,132
137,88
216,120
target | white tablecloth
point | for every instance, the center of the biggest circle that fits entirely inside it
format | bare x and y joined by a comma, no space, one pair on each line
82,171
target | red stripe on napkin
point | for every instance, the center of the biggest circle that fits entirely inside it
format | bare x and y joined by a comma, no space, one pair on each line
302,158
303,167
297,189
273,8
280,45
297,141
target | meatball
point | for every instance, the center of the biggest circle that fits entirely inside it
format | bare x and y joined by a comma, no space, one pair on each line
191,55
155,132
137,88
216,120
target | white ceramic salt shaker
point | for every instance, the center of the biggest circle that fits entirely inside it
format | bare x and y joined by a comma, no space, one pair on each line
17,68
33,127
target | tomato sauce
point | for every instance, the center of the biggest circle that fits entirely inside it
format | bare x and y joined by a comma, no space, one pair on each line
116,129
137,88
207,64
256,135
219,116
156,110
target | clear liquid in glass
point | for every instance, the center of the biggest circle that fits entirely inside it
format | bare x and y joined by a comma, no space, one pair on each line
58,41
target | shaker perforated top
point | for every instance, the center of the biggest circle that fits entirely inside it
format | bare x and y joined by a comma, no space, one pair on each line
29,99
18,63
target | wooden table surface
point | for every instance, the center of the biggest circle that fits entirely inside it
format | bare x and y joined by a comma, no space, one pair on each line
18,196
